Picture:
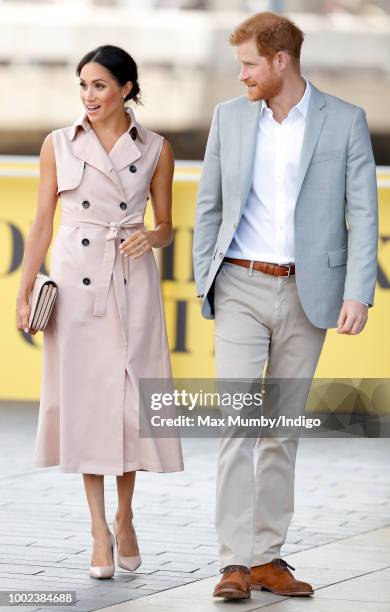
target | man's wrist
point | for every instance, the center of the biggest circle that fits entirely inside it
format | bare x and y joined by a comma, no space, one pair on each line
360,302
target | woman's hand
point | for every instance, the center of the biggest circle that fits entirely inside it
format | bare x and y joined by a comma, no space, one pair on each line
40,234
23,310
137,244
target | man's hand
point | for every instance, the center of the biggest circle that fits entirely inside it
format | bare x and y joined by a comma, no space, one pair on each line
353,317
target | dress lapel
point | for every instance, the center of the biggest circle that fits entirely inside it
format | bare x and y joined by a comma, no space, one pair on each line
124,152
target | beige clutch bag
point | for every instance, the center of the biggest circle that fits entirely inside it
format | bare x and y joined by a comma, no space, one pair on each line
42,298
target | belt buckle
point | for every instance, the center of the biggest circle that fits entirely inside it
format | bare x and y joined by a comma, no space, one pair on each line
289,270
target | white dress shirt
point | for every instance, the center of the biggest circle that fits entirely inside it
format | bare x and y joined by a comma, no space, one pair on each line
266,228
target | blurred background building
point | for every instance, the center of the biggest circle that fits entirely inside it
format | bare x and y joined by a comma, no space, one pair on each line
186,63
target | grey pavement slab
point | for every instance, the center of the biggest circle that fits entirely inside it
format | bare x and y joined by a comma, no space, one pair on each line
336,590
342,492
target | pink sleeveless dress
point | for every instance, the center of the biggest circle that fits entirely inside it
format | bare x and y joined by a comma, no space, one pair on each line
107,329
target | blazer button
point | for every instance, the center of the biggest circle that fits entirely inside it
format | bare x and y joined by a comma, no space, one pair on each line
123,205
85,242
86,281
133,133
86,204
133,168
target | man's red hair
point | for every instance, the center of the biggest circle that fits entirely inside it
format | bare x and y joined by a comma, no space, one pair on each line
271,33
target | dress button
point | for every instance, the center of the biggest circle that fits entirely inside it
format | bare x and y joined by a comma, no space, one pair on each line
86,281
85,242
123,205
133,133
133,168
86,204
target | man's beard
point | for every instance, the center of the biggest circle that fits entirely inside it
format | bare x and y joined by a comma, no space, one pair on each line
267,89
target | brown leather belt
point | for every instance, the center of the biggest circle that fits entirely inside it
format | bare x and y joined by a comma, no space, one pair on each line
264,266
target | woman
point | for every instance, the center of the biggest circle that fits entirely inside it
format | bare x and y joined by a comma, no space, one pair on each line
107,328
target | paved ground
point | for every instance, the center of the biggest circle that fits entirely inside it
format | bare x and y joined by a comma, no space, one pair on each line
342,490
350,575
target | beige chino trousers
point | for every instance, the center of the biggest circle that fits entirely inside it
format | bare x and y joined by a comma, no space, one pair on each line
259,323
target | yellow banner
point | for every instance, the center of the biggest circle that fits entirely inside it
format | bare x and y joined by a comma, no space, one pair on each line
190,335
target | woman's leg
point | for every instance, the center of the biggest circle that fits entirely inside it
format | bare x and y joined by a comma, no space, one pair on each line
127,541
94,489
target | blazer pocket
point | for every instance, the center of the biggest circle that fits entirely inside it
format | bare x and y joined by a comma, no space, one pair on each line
70,177
338,257
324,156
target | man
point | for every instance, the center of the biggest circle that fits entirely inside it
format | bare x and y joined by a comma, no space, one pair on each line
285,247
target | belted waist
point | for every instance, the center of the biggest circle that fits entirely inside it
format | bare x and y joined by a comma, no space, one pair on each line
264,266
107,268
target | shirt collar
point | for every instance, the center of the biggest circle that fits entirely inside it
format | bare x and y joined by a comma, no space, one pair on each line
83,122
302,105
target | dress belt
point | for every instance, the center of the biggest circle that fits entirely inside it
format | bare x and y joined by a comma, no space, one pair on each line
107,267
264,266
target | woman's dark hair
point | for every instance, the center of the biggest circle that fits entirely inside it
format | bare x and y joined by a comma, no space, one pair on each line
121,65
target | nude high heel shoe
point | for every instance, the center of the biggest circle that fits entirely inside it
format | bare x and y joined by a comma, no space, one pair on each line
128,563
104,571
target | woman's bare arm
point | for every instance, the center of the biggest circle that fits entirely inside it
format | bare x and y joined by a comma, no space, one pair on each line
161,192
41,231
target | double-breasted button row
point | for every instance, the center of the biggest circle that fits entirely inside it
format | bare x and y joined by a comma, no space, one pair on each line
86,204
123,205
86,281
85,242
133,168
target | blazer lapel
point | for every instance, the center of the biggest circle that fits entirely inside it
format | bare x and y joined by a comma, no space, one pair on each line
248,123
316,115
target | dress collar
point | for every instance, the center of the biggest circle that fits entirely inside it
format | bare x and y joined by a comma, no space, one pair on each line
83,122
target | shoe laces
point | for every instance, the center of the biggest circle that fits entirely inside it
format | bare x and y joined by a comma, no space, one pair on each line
283,563
234,568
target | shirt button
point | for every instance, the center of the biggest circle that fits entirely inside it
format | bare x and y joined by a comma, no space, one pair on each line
123,205
133,168
86,281
86,204
85,242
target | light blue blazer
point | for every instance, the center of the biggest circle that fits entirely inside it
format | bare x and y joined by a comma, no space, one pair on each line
336,214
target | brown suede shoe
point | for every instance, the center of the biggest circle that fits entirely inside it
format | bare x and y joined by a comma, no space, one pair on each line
234,583
276,577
